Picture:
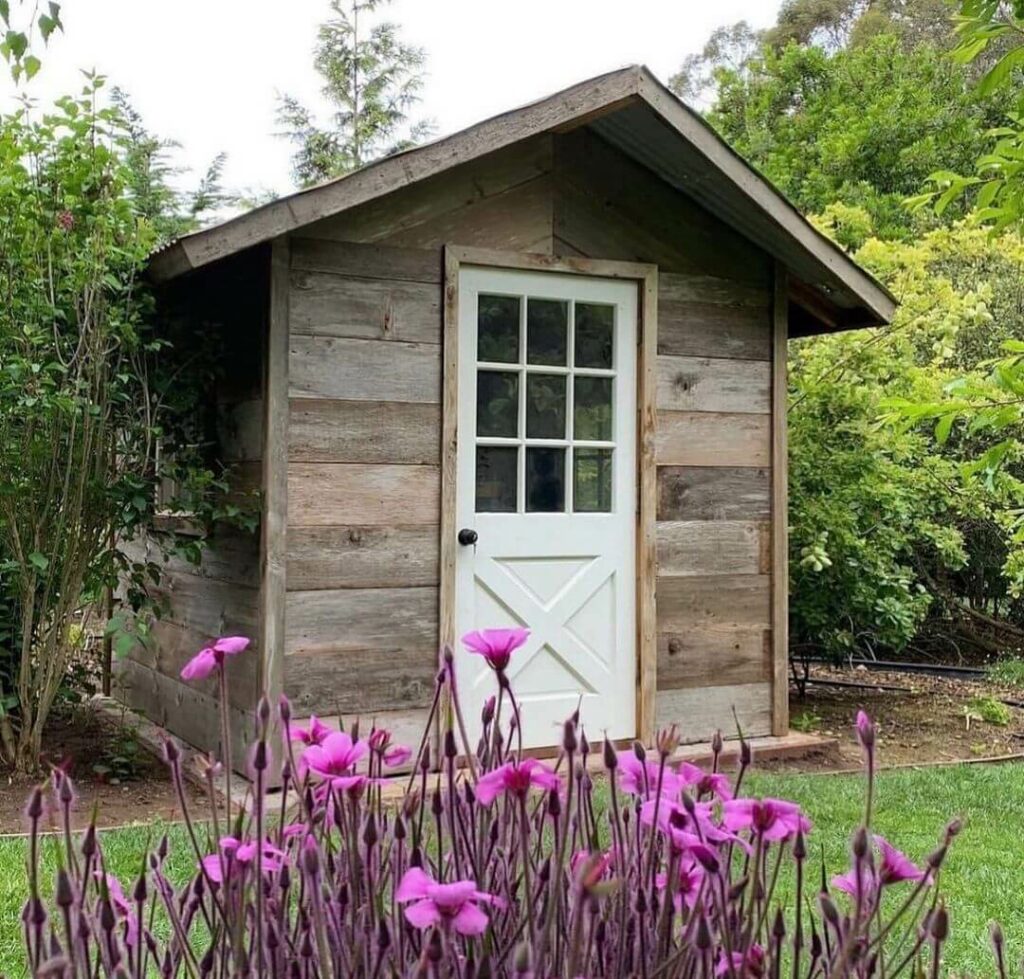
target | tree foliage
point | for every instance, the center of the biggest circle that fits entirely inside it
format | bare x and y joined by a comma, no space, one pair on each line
371,80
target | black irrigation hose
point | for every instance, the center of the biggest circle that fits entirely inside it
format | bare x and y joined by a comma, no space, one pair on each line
933,669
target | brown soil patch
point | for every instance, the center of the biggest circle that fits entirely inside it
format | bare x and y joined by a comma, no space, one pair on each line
77,740
921,719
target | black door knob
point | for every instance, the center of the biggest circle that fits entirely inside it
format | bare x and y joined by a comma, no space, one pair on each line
467,536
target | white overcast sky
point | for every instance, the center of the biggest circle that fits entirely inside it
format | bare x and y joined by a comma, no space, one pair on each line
207,72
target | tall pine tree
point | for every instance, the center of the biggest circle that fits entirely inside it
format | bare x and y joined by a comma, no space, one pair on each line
371,80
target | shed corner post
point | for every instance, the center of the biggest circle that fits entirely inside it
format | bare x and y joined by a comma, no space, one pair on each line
275,475
647,561
779,506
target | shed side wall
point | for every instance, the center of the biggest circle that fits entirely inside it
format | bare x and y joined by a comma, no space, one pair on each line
220,595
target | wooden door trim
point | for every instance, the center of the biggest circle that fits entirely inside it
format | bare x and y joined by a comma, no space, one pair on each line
646,276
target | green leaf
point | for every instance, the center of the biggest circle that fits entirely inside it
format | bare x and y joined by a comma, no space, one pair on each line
943,428
1000,71
38,561
32,66
5,11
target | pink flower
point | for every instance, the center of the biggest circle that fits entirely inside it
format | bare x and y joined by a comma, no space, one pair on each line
689,877
122,907
517,778
705,783
454,904
316,733
65,220
686,832
397,754
896,867
496,645
335,756
641,777
772,819
211,658
237,855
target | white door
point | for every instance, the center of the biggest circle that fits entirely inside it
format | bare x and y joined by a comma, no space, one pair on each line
546,478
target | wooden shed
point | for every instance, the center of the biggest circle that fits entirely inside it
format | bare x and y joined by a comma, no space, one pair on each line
532,374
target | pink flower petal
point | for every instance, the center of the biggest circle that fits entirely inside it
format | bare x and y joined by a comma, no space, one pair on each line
415,884
202,665
422,914
231,645
490,786
470,920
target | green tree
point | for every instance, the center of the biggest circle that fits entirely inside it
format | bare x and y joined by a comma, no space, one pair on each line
371,79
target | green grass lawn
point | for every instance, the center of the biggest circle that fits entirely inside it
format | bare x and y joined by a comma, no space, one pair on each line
984,877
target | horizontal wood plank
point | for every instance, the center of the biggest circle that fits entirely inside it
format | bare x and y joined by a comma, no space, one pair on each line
712,547
324,494
714,657
361,682
362,557
364,370
190,714
706,438
719,601
322,304
687,288
211,607
713,384
229,555
701,712
365,260
713,493
364,431
687,329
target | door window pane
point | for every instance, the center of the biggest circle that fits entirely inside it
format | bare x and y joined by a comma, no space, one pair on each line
594,331
545,480
593,409
547,325
498,329
545,406
496,479
497,404
592,480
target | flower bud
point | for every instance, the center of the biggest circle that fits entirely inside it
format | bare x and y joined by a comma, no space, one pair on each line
66,792
485,970
554,804
865,731
829,909
746,754
717,744
687,803
936,858
668,741
436,803
311,857
263,712
779,925
284,709
448,655
399,830
383,936
584,744
703,939
89,841
940,924
860,843
640,751
435,950
611,760
487,714
411,804
953,829
171,751
65,895
569,740
800,845
34,809
451,749
521,963
370,835
259,757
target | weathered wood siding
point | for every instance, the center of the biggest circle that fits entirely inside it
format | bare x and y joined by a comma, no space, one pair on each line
364,435
220,596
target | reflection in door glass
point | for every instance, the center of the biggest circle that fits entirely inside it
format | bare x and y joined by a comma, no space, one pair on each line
592,480
497,404
547,327
594,330
496,479
545,406
498,329
545,480
593,409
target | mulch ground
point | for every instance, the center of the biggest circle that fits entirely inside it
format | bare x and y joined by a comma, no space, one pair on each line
77,741
921,720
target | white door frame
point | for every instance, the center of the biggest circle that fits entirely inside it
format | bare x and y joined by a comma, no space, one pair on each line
646,277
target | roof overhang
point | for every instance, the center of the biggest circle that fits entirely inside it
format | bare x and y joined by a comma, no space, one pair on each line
632,110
